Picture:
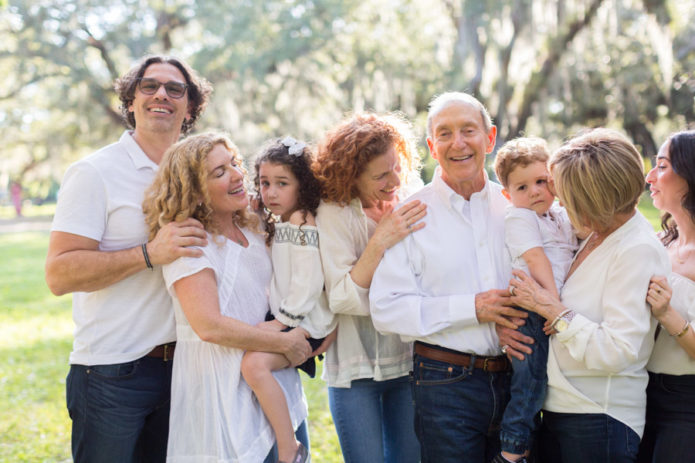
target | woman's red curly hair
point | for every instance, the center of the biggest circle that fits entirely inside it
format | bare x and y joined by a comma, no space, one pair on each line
348,148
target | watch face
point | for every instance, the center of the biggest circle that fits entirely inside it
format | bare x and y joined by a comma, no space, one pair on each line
561,325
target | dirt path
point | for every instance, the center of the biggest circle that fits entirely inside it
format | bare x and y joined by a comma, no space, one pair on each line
23,224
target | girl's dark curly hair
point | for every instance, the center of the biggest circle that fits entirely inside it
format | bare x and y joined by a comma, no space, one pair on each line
300,166
681,152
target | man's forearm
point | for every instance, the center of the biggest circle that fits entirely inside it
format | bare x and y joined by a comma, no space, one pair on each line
91,270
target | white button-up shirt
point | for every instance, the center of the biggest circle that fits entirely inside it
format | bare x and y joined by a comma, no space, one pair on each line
424,288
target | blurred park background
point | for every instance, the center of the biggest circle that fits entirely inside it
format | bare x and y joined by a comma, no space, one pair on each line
543,68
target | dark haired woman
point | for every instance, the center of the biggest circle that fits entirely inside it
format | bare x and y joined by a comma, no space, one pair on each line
670,428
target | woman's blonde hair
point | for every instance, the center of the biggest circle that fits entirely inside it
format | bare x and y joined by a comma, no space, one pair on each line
180,190
597,175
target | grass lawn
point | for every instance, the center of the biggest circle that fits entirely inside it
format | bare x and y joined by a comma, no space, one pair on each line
35,340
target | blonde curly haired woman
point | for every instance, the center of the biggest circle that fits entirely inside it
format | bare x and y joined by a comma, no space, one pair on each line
220,301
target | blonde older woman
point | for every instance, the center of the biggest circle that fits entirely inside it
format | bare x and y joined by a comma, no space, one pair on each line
219,298
602,331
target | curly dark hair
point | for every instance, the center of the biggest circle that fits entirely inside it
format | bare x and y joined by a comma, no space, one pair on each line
300,165
681,152
199,89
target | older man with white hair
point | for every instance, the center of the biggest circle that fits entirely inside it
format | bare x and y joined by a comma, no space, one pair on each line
444,287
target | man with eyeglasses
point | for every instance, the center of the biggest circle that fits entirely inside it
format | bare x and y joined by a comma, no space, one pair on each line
120,367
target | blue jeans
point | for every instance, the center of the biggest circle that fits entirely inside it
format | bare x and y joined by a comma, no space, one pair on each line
586,437
302,435
374,421
120,412
528,385
458,411
669,436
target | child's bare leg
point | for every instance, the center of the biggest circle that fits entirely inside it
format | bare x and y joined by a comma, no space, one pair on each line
257,368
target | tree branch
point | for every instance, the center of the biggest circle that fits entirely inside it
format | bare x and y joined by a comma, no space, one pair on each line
558,46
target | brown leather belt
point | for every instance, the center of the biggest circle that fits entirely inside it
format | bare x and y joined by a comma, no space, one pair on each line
163,351
485,363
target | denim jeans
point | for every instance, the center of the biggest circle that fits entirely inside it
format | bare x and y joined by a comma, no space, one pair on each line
458,411
586,437
120,412
374,421
302,435
528,385
669,436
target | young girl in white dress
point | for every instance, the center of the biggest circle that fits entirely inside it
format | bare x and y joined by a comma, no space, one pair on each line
289,196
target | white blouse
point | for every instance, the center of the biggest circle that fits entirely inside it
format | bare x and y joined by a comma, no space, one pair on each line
297,297
359,350
598,365
668,357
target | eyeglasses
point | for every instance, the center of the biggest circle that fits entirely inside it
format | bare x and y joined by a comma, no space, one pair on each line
150,86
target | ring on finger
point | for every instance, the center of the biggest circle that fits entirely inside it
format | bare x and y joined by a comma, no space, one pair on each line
511,290
504,348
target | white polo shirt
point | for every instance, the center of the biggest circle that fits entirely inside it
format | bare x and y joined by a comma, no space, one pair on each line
101,199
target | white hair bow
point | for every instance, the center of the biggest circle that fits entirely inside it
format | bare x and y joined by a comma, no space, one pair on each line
294,147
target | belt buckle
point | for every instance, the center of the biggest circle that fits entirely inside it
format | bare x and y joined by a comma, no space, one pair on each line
166,353
485,361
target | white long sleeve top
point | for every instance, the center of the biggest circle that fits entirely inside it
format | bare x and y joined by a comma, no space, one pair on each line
425,286
359,350
297,297
598,364
668,357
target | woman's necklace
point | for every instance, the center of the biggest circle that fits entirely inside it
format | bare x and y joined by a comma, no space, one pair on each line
237,236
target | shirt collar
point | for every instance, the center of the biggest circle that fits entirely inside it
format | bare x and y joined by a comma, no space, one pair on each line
448,195
137,156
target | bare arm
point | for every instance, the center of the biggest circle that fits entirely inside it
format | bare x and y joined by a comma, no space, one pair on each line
393,227
75,263
541,270
197,294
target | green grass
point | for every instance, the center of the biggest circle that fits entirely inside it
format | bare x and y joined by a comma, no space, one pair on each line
35,340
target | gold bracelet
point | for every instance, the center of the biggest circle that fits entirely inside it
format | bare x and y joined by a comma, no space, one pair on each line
557,319
685,329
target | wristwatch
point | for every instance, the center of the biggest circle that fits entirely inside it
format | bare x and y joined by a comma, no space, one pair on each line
562,322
